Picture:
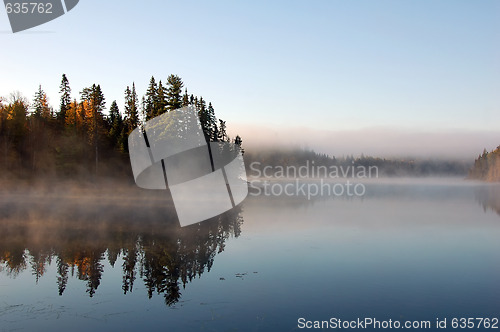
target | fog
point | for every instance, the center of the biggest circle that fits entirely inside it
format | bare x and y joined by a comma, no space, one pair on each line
375,141
388,204
80,228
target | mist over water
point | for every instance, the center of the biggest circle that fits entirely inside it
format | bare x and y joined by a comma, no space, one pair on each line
388,142
115,256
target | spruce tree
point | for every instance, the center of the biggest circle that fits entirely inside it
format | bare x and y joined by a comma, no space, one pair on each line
222,132
185,98
94,97
116,124
151,99
143,116
203,116
41,108
238,141
114,113
212,123
65,91
174,91
161,101
131,109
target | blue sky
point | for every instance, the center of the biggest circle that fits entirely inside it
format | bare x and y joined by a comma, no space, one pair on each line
325,65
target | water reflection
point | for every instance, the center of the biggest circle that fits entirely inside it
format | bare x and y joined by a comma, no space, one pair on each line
412,249
415,189
489,198
79,235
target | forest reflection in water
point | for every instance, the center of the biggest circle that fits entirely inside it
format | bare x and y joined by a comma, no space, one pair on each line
78,233
489,198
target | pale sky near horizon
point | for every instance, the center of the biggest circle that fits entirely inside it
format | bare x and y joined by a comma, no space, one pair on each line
324,65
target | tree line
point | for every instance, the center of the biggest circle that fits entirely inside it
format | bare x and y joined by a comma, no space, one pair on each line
386,167
78,138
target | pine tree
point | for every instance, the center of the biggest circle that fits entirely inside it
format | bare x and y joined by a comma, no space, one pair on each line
114,113
143,117
185,98
215,133
94,97
161,101
203,116
131,109
174,91
116,125
238,141
212,123
37,132
65,91
41,108
151,99
222,132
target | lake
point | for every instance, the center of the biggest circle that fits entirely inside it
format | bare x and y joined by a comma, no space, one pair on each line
406,250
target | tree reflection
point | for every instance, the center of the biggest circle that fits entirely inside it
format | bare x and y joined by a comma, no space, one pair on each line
172,261
489,197
152,248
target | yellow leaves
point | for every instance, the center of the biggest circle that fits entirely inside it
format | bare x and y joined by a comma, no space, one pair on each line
76,114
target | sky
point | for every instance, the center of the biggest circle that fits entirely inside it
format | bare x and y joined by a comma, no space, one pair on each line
355,75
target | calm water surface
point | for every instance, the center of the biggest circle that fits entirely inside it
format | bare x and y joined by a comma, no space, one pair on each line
409,249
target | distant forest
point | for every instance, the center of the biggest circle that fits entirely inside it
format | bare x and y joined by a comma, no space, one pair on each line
386,167
77,140
487,166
